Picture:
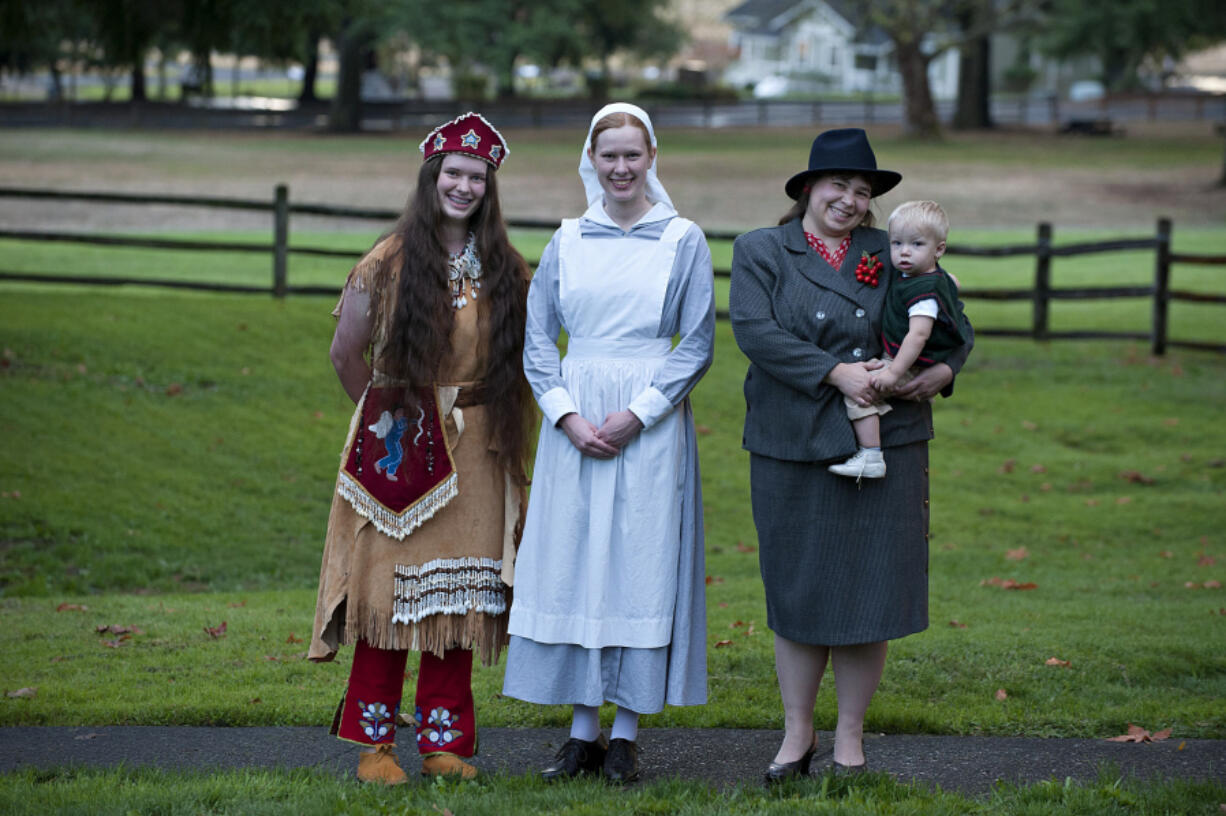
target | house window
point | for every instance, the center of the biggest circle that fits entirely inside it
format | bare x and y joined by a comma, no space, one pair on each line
866,62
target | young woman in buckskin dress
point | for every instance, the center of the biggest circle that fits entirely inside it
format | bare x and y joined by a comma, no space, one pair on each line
426,513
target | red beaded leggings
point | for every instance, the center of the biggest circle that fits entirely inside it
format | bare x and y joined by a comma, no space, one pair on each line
444,710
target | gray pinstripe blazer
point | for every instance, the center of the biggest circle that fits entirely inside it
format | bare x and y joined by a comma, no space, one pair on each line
795,320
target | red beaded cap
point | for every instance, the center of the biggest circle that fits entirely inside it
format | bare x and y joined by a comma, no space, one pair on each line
471,134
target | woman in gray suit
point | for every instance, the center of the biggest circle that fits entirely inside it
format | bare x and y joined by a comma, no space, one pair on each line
845,563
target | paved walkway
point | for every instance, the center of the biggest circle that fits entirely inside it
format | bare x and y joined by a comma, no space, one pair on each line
718,756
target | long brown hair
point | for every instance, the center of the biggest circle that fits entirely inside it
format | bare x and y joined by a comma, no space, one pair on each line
419,316
801,204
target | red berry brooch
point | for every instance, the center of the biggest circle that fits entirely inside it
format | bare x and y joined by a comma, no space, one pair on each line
868,269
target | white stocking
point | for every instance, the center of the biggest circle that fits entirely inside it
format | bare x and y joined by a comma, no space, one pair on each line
625,725
586,723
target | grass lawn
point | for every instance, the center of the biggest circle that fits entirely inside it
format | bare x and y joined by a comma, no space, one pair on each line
176,443
123,792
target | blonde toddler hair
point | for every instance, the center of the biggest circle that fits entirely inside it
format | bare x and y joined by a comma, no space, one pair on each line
925,216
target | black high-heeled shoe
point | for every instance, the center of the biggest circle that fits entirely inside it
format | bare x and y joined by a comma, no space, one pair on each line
779,771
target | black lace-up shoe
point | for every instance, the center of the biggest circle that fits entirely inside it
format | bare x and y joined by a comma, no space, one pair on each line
577,756
621,764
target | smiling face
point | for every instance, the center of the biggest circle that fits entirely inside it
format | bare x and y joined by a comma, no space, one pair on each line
622,157
461,186
837,204
913,251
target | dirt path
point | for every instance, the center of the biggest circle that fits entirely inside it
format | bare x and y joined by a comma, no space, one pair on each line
1007,180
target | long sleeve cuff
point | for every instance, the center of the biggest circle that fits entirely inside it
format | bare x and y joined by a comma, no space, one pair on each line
557,403
651,406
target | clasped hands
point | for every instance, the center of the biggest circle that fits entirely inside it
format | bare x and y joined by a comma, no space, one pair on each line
857,381
605,442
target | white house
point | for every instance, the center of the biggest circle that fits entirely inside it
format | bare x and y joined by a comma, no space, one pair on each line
814,46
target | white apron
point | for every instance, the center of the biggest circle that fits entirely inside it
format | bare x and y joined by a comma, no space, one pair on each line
598,562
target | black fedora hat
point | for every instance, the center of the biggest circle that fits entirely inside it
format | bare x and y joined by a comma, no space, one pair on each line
848,150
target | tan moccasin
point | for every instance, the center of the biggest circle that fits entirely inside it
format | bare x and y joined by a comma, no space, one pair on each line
381,766
445,763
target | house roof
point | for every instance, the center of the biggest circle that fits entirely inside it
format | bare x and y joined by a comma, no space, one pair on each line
770,16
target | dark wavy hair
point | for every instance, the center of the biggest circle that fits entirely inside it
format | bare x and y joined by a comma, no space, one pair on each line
801,204
418,316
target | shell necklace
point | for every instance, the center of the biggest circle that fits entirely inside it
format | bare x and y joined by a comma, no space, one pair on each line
461,266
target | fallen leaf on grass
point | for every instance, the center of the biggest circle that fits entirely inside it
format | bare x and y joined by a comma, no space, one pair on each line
953,624
237,604
115,644
1124,500
1091,502
1028,425
174,390
1009,583
1008,466
719,644
293,638
22,692
1166,554
216,631
1206,561
116,629
1037,469
69,607
1138,734
444,811
1213,584
1170,422
1135,477
723,604
1017,555
702,430
742,547
1055,661
711,579
1001,694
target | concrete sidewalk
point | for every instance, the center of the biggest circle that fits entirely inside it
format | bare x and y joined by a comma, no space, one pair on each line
718,756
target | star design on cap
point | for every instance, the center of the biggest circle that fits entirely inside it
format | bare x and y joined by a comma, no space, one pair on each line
495,152
470,139
439,141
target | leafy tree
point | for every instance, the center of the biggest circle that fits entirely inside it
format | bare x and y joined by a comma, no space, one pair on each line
1125,34
609,26
125,31
920,30
37,35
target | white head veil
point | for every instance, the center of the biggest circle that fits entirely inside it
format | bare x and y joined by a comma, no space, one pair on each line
587,171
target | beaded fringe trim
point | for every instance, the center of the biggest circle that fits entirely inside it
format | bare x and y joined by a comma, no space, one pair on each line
396,525
448,586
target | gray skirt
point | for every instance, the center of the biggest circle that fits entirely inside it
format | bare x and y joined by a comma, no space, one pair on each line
843,562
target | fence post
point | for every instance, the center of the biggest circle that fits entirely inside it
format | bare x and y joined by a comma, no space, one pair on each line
1162,286
1042,281
280,239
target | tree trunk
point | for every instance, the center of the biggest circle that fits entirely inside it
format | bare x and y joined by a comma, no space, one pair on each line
353,44
310,70
138,79
919,111
974,110
1221,180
